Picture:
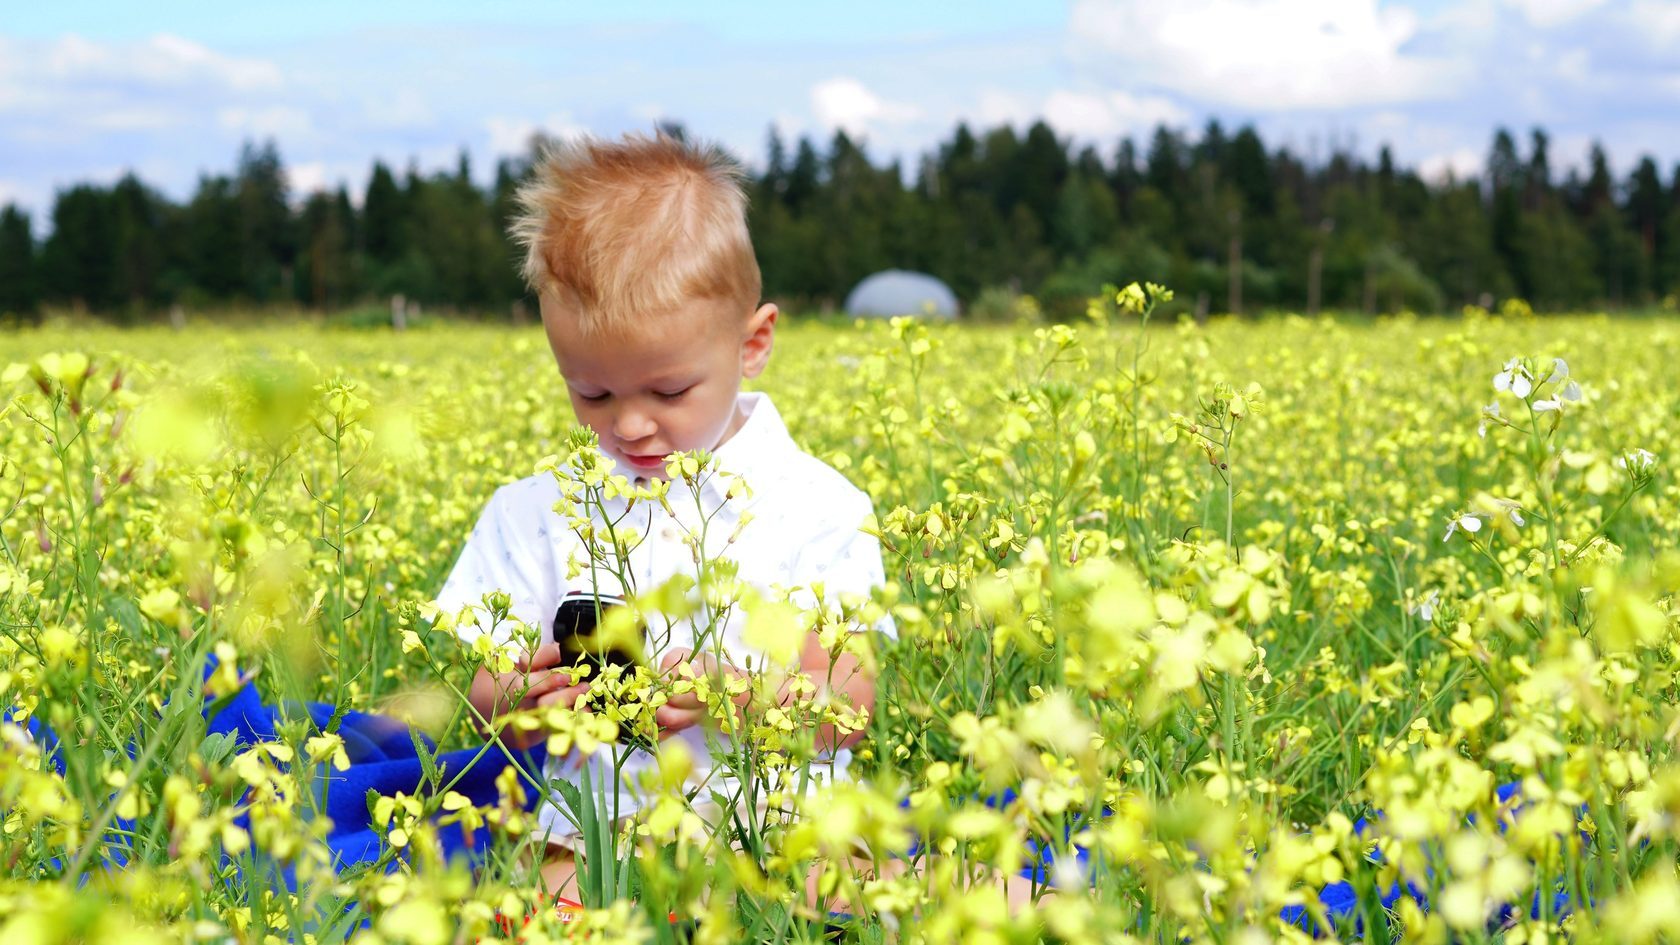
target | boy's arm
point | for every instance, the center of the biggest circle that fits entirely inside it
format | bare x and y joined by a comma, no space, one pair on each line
845,677
850,564
506,552
847,560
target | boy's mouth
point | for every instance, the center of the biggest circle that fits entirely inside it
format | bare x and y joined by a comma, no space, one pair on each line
646,462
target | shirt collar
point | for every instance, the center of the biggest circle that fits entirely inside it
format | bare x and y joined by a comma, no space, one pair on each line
762,437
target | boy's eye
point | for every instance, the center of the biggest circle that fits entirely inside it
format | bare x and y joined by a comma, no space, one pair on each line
593,398
673,395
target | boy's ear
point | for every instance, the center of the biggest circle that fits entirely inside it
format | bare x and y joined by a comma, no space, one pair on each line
760,337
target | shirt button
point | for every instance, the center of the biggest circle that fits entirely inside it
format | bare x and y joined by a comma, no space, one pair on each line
670,533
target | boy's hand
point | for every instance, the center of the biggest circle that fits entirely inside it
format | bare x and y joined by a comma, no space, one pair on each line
534,682
546,656
536,676
565,696
683,709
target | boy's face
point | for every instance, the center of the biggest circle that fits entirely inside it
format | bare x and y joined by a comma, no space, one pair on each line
667,388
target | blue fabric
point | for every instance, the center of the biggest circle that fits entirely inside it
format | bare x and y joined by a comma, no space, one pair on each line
384,758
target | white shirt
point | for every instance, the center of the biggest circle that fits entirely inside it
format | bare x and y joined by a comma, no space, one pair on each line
805,528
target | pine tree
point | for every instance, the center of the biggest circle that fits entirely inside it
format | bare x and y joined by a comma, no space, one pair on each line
803,178
212,255
1039,169
1668,246
79,259
1648,223
324,266
268,244
137,218
1505,181
20,290
383,228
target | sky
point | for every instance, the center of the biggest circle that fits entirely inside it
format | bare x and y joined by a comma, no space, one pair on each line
90,90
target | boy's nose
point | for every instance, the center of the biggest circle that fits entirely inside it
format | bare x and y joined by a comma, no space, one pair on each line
630,426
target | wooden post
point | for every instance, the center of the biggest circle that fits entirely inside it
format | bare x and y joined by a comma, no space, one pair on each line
399,312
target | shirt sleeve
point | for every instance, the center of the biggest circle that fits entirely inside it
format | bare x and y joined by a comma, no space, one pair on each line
844,559
510,551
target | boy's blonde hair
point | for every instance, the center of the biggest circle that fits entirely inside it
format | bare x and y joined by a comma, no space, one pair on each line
618,230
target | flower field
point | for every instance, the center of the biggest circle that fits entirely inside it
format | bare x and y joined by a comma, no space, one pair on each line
1214,617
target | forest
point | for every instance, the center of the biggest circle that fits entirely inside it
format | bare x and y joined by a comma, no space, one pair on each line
1234,225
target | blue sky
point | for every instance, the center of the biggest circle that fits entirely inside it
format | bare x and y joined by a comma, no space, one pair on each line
89,90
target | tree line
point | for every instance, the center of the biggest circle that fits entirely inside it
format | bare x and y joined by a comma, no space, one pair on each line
1232,224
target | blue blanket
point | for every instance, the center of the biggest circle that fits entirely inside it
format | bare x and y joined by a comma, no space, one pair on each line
384,758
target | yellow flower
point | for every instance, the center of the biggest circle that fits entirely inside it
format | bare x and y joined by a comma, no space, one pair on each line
777,628
328,746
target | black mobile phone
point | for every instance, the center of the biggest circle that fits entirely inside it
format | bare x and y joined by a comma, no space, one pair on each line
574,630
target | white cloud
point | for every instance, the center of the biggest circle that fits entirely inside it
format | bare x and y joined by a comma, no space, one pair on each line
137,117
1549,13
1460,165
1004,108
1266,55
1575,65
1656,20
509,135
1083,115
162,60
181,58
512,135
405,108
307,178
844,102
1107,114
277,121
71,86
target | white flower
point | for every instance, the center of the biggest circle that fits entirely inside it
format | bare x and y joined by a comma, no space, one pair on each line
1490,414
1511,508
1515,378
1637,460
1469,522
1571,393
1560,370
1426,607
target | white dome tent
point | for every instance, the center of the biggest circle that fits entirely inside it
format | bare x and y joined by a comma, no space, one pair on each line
899,292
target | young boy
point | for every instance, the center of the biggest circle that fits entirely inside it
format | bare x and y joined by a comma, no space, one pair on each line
649,291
